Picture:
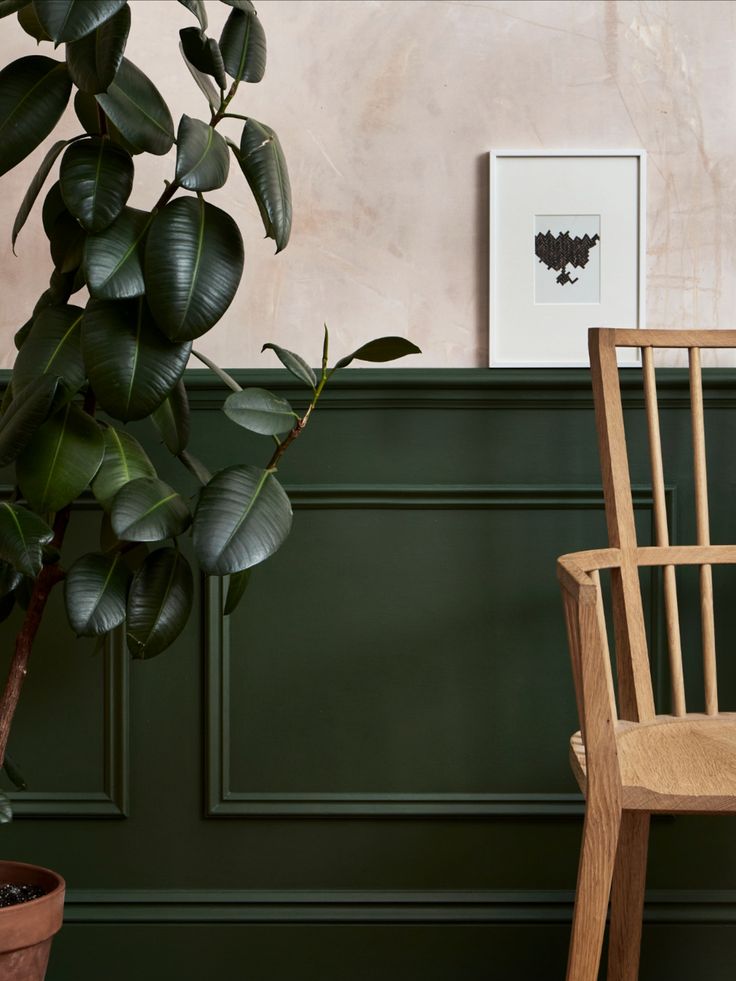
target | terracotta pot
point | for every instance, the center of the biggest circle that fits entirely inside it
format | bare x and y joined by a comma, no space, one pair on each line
26,930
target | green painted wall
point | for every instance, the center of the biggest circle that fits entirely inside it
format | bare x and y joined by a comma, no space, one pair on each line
364,774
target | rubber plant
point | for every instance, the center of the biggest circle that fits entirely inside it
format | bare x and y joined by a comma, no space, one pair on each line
151,283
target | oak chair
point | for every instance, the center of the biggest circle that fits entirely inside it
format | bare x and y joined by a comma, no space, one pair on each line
631,762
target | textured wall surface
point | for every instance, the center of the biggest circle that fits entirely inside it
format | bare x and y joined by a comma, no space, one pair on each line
386,109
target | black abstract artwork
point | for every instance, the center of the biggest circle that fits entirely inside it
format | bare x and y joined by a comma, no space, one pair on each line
559,251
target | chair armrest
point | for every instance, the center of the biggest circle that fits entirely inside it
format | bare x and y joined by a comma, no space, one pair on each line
573,571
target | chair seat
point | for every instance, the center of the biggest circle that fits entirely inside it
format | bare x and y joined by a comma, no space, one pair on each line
673,764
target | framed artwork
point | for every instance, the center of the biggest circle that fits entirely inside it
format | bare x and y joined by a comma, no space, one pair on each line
567,252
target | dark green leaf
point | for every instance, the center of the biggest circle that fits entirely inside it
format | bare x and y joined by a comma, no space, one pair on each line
13,774
53,348
94,60
262,161
94,593
236,589
34,188
53,208
245,5
243,46
171,419
204,82
202,158
28,20
66,243
9,578
243,516
204,54
193,265
22,537
382,349
34,92
61,460
197,7
136,108
260,411
124,460
96,178
8,7
91,116
68,20
24,417
195,467
133,555
159,602
295,364
132,367
113,259
148,510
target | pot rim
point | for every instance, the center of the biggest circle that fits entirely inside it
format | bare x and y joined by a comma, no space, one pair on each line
60,886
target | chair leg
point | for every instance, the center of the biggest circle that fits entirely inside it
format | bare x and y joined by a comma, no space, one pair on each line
627,897
597,859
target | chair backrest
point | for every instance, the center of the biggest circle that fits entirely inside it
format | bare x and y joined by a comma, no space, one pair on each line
636,700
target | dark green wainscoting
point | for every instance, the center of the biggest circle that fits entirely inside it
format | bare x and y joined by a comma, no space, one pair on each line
363,776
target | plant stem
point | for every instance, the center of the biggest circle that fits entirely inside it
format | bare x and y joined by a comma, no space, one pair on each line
48,577
222,375
300,425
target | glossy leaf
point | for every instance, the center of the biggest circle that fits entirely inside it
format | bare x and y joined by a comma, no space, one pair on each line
132,367
96,178
24,417
124,460
53,348
93,61
22,537
61,460
13,774
113,260
202,158
171,419
66,243
294,363
204,82
260,411
34,188
148,510
34,92
262,161
137,109
243,46
8,7
382,349
193,265
159,602
68,20
9,577
28,20
236,588
95,594
245,5
243,516
204,54
88,113
197,7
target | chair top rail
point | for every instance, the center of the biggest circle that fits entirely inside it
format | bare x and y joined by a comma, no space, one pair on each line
649,555
645,337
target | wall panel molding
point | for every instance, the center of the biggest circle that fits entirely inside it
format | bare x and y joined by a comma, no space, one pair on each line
170,906
222,800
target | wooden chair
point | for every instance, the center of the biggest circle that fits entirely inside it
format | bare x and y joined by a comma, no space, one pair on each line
629,761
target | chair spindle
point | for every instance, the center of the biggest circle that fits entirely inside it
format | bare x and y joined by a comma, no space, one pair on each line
661,534
596,577
703,533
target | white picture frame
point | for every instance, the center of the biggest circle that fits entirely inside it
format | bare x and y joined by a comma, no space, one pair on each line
590,204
